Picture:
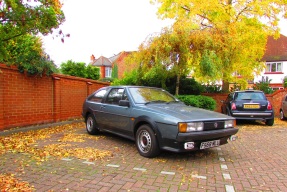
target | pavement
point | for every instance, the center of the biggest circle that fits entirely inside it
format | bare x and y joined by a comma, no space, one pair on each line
256,161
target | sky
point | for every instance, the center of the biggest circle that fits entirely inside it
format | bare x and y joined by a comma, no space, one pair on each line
103,28
106,28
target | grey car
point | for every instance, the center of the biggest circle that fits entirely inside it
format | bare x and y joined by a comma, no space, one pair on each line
155,120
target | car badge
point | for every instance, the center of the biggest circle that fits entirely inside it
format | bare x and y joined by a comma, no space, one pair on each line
215,124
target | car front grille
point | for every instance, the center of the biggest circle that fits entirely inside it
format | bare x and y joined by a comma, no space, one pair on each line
213,125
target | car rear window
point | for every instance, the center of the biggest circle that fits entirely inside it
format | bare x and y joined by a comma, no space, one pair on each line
249,96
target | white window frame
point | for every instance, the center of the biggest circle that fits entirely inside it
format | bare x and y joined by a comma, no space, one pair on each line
269,67
108,72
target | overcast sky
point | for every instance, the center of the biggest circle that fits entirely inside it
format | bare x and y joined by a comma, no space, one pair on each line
105,28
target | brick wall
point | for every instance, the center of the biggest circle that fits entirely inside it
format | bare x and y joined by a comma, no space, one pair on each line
34,100
26,100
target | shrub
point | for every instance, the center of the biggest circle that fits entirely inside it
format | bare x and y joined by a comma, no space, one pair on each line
212,88
129,79
285,82
187,86
200,101
263,85
79,69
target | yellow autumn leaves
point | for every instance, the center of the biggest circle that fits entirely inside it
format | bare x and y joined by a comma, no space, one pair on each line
65,146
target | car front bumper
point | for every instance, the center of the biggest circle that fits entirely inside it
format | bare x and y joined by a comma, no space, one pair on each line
196,138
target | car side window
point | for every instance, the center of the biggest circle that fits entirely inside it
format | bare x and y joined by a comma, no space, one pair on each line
98,96
115,96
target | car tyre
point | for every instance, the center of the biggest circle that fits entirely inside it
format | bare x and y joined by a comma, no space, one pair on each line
146,142
282,116
91,123
269,122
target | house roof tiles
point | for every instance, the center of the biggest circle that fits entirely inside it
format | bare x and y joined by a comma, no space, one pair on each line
276,49
102,61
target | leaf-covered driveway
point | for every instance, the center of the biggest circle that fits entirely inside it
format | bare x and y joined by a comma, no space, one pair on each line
66,158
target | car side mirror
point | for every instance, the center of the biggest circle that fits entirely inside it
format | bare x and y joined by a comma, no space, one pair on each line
124,103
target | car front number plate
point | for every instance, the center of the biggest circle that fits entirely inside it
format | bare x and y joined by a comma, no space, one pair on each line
209,144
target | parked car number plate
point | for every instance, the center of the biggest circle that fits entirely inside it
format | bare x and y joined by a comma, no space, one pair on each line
251,106
209,144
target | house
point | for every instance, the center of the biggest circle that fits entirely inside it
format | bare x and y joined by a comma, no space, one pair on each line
107,65
276,62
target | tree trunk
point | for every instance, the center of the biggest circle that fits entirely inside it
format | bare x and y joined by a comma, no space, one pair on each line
225,86
177,84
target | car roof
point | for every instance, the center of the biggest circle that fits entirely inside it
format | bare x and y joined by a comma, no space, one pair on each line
131,86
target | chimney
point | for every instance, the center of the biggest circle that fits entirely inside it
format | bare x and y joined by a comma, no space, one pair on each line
93,58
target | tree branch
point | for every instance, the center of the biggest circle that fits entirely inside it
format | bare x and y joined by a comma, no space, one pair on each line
18,35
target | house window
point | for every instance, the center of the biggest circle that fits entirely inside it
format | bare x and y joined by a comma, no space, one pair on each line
273,67
108,72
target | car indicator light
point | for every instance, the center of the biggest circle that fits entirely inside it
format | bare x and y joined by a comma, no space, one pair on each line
182,127
190,127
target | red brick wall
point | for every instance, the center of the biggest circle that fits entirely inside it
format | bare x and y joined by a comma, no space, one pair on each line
26,100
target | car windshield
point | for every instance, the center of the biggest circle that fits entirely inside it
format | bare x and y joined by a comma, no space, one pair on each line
249,96
147,95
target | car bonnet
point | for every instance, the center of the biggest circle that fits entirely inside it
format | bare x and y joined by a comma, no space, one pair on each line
186,113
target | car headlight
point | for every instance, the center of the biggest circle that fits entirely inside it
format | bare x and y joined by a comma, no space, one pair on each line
189,127
229,123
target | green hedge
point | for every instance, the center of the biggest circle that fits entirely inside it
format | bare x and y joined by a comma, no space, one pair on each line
200,101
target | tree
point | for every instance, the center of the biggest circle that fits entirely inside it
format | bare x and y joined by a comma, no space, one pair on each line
20,19
79,69
167,54
115,71
27,54
92,72
227,36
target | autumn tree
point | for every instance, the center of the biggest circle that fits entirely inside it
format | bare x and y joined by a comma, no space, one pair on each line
163,55
228,36
23,17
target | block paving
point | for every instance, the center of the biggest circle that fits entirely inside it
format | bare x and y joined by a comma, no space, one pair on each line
256,161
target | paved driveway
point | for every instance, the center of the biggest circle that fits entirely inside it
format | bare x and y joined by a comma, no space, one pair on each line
61,161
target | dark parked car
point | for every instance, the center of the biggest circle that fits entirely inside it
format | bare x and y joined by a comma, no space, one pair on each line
283,109
155,120
248,105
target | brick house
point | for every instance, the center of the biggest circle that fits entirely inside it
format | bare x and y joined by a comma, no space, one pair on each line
275,58
107,65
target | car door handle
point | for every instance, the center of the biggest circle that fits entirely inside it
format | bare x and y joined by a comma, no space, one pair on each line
102,107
